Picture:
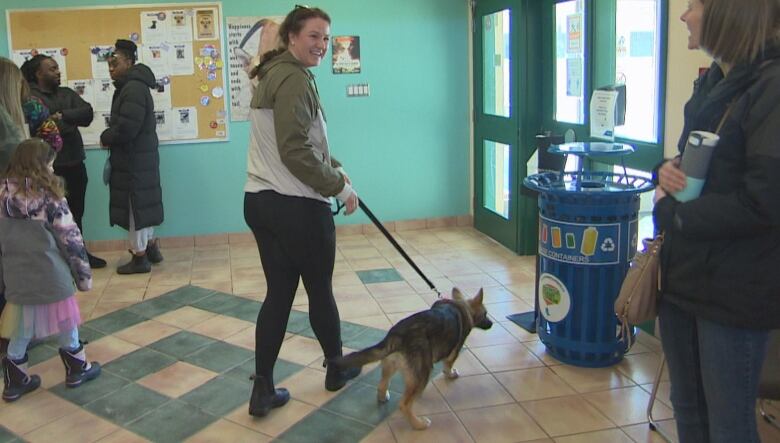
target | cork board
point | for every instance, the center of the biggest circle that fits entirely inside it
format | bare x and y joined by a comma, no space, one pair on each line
76,31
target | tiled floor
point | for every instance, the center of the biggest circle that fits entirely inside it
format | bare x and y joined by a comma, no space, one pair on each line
177,344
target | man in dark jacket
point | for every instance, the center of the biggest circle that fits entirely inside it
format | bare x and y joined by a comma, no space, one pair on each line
135,201
70,111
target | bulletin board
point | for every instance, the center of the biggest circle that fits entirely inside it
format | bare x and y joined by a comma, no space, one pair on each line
75,36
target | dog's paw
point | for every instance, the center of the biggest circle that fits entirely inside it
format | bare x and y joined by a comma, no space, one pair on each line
421,424
383,397
452,374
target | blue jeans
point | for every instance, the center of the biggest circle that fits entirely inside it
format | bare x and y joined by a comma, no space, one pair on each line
714,371
17,346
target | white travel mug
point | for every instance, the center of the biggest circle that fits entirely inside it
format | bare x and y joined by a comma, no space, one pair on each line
696,162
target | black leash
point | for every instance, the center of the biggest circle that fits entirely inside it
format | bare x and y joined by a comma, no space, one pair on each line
398,247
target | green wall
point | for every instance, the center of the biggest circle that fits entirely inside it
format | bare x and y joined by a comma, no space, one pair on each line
405,147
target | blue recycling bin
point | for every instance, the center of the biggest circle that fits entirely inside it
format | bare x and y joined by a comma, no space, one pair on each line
588,229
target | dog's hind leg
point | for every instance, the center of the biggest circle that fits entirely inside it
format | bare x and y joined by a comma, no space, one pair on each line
389,367
415,384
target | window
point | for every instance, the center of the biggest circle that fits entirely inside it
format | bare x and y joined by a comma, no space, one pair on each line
570,40
637,58
497,63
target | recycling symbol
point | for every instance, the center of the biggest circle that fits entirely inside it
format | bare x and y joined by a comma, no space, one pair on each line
608,245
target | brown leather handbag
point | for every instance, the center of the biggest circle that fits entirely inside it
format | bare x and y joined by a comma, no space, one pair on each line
637,301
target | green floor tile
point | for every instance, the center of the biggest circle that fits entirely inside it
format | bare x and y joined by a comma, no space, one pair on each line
87,334
351,330
154,307
181,344
98,388
127,404
115,321
246,310
298,322
171,423
7,436
221,303
219,356
379,276
139,363
40,353
372,379
326,427
369,337
219,396
282,370
187,295
359,401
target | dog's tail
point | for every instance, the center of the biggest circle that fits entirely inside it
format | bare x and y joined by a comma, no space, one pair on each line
367,355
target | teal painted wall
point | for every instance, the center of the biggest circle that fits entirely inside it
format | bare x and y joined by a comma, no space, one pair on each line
405,147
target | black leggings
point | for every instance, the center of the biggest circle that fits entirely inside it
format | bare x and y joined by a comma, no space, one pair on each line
297,239
75,177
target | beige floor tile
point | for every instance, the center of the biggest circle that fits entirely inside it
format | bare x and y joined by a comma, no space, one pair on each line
444,427
467,364
185,317
398,316
642,433
365,307
592,379
219,286
51,371
226,431
129,281
359,252
73,428
473,392
430,402
123,436
244,338
518,332
170,279
534,384
307,385
606,436
104,307
627,406
540,351
496,335
500,311
301,350
108,348
249,272
380,434
221,327
35,410
177,379
566,415
500,424
146,333
156,291
402,303
513,277
276,422
641,368
506,357
210,275
493,294
664,390
121,294
241,286
379,321
366,264
346,278
390,289
474,281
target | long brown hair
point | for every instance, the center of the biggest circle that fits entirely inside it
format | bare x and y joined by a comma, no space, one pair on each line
737,32
29,166
12,90
292,24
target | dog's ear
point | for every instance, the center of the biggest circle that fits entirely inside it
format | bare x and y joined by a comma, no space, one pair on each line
477,300
457,295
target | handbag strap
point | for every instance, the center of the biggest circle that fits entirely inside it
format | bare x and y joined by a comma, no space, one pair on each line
725,116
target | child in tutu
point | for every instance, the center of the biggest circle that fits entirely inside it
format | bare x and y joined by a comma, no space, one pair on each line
42,254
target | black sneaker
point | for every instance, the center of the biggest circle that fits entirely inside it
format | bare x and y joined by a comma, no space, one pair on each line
335,379
96,262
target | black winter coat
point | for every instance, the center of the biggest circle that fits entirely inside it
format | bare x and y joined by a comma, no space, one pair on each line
721,256
75,112
135,160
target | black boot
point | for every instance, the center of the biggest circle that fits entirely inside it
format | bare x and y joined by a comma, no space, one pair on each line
336,378
77,369
95,262
17,382
153,251
265,397
139,264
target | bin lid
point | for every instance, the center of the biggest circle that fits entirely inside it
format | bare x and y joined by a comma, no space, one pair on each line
588,183
591,149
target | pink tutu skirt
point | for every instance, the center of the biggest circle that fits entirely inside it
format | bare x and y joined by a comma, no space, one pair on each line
40,321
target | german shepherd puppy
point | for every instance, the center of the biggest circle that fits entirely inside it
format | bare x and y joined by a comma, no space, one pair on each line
415,343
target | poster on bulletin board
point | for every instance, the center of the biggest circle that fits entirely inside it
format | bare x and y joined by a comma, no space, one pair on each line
181,43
